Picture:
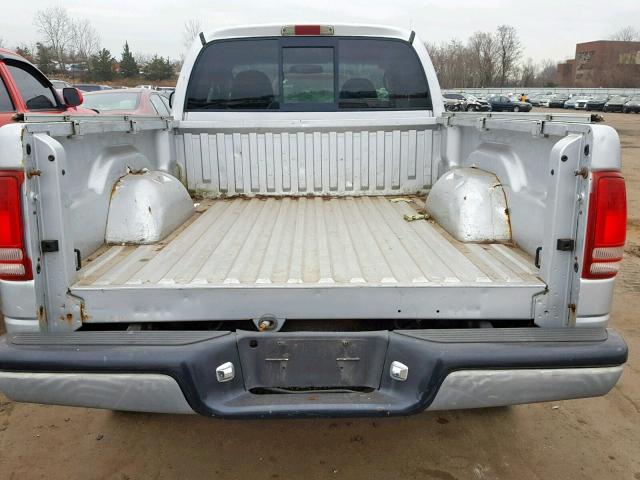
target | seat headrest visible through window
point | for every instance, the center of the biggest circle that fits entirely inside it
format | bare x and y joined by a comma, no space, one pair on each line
251,89
357,92
212,89
358,88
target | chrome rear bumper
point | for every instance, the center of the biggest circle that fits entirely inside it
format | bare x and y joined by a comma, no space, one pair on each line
348,373
162,394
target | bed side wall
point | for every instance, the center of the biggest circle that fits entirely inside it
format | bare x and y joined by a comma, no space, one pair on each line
520,160
93,164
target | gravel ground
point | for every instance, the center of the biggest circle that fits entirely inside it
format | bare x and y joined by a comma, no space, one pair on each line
586,439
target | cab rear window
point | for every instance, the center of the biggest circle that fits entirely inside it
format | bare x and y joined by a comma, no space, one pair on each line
312,74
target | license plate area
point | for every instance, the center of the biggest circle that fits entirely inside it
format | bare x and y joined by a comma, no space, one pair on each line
312,360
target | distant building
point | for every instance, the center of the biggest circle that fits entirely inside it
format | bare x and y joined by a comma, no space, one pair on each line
566,73
602,64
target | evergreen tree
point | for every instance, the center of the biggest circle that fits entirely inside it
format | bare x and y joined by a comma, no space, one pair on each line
45,58
102,65
128,64
159,68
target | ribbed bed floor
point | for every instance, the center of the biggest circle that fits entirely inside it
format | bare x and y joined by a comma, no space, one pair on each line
309,242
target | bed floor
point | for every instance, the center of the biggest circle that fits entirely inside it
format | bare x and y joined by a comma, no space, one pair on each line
311,241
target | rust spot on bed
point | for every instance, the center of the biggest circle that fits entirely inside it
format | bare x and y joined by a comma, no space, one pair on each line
42,318
84,316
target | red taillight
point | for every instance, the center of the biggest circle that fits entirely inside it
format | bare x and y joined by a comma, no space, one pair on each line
288,30
306,29
607,228
14,263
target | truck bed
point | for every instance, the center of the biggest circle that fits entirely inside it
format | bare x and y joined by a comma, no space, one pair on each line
316,243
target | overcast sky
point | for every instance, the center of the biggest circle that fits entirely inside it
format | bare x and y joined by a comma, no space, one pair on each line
547,28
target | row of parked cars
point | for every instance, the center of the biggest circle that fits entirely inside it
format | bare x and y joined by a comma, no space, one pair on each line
460,102
464,102
601,103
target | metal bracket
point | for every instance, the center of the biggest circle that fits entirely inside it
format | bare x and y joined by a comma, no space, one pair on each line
537,128
76,126
133,126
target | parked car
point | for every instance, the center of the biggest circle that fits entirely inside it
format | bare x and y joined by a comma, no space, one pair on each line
60,84
301,287
615,104
453,102
632,106
581,103
597,103
577,102
502,103
135,101
467,102
166,90
25,89
77,68
476,104
558,101
544,101
534,100
148,87
91,87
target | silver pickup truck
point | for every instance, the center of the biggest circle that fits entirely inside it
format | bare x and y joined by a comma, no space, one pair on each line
310,235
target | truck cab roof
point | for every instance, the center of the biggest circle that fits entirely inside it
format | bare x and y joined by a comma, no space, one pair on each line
276,30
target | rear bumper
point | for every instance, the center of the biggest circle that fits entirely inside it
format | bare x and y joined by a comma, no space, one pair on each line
174,372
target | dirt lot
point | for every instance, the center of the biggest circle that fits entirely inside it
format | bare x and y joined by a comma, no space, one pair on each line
587,439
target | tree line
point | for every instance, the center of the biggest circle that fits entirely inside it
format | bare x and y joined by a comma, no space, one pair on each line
489,59
72,46
485,59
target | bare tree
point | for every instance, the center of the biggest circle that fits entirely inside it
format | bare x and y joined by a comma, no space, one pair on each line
509,49
528,73
190,30
627,34
546,76
489,60
54,23
483,48
84,39
142,58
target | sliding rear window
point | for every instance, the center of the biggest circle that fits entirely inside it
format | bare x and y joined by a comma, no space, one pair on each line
312,74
